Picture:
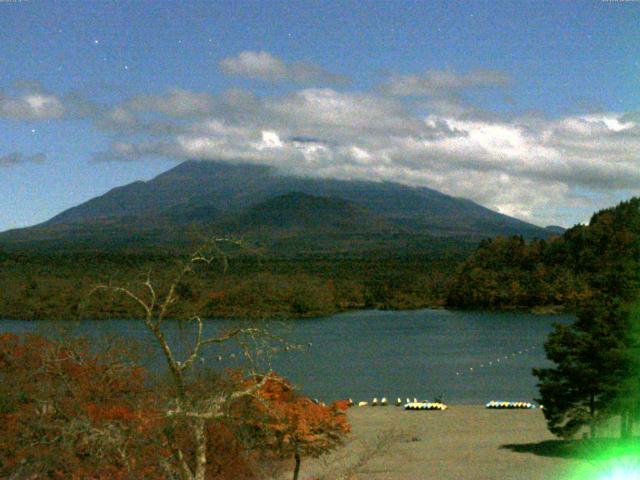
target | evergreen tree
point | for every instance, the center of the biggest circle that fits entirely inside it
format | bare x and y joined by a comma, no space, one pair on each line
591,365
598,357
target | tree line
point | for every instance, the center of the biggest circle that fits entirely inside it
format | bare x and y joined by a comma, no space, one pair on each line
564,271
48,286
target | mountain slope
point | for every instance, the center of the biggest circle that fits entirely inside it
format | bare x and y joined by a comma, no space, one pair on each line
259,201
299,212
229,188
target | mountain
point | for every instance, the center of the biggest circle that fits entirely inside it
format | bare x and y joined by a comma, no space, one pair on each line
267,206
303,213
555,229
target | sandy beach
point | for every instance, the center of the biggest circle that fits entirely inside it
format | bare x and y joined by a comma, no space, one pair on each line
461,443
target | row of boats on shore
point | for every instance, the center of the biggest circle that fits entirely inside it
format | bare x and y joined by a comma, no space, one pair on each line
426,405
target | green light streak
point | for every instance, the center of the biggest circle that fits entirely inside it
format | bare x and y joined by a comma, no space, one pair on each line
620,461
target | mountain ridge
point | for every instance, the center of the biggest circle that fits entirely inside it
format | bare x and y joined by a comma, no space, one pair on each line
239,198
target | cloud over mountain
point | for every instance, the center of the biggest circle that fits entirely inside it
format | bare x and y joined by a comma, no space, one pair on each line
519,166
536,168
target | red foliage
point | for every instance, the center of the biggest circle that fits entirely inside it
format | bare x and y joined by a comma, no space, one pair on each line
69,413
341,405
217,295
296,425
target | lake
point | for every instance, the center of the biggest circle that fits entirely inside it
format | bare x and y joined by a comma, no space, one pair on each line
466,357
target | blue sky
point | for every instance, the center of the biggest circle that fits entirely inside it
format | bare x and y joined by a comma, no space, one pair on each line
530,108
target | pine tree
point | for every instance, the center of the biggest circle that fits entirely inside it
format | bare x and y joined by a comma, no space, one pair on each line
598,357
591,365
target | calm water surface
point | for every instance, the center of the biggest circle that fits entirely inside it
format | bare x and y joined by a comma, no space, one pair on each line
467,357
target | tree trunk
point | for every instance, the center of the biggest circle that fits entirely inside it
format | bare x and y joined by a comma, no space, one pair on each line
296,470
592,412
201,449
629,424
624,423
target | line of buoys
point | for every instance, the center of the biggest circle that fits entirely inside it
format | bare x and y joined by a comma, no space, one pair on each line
491,363
495,404
425,406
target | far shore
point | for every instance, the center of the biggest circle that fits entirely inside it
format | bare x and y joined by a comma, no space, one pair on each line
253,316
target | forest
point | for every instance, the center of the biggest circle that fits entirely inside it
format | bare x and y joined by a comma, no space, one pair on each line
50,286
563,272
501,273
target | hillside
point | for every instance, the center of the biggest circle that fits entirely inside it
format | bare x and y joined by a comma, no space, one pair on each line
198,197
512,273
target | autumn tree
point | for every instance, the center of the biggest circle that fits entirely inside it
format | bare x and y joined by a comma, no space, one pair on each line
69,412
294,426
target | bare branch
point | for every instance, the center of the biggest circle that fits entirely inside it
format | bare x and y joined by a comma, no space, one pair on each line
229,335
197,345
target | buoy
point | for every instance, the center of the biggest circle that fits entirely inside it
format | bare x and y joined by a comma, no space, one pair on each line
383,402
363,404
375,402
350,402
398,402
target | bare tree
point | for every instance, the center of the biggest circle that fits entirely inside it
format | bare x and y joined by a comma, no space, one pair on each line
194,411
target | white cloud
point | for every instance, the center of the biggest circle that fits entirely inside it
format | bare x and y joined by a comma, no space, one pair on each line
16,158
265,66
270,140
437,83
536,169
176,103
31,106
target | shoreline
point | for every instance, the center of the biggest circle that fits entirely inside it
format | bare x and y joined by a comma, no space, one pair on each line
544,310
465,442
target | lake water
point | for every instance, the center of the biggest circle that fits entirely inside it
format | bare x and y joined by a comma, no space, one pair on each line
466,357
